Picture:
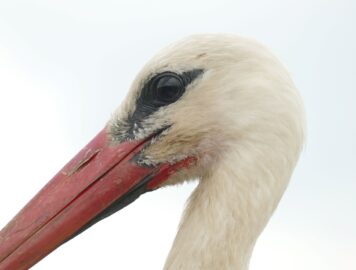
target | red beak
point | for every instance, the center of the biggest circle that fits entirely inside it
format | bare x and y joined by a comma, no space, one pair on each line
101,179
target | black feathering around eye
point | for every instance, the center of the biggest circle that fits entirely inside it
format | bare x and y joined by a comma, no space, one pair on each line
161,90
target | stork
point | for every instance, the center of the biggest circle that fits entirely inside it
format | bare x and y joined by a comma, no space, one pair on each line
216,108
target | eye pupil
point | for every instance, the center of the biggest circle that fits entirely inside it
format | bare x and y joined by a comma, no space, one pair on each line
168,88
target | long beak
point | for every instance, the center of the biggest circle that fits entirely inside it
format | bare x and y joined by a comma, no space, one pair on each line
101,179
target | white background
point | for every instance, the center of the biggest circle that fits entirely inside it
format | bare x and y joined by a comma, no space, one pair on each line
66,65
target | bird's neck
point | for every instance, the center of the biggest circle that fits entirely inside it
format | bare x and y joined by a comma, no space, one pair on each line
227,212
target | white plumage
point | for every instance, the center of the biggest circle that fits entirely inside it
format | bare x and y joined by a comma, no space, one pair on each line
244,120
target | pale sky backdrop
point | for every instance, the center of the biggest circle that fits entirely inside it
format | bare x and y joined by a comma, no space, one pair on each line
66,65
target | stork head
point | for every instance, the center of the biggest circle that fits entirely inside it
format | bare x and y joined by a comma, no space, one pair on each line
207,95
189,106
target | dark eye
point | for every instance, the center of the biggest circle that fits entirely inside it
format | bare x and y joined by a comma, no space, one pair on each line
167,88
161,90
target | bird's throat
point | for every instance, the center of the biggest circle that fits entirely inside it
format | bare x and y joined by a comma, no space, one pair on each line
224,217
